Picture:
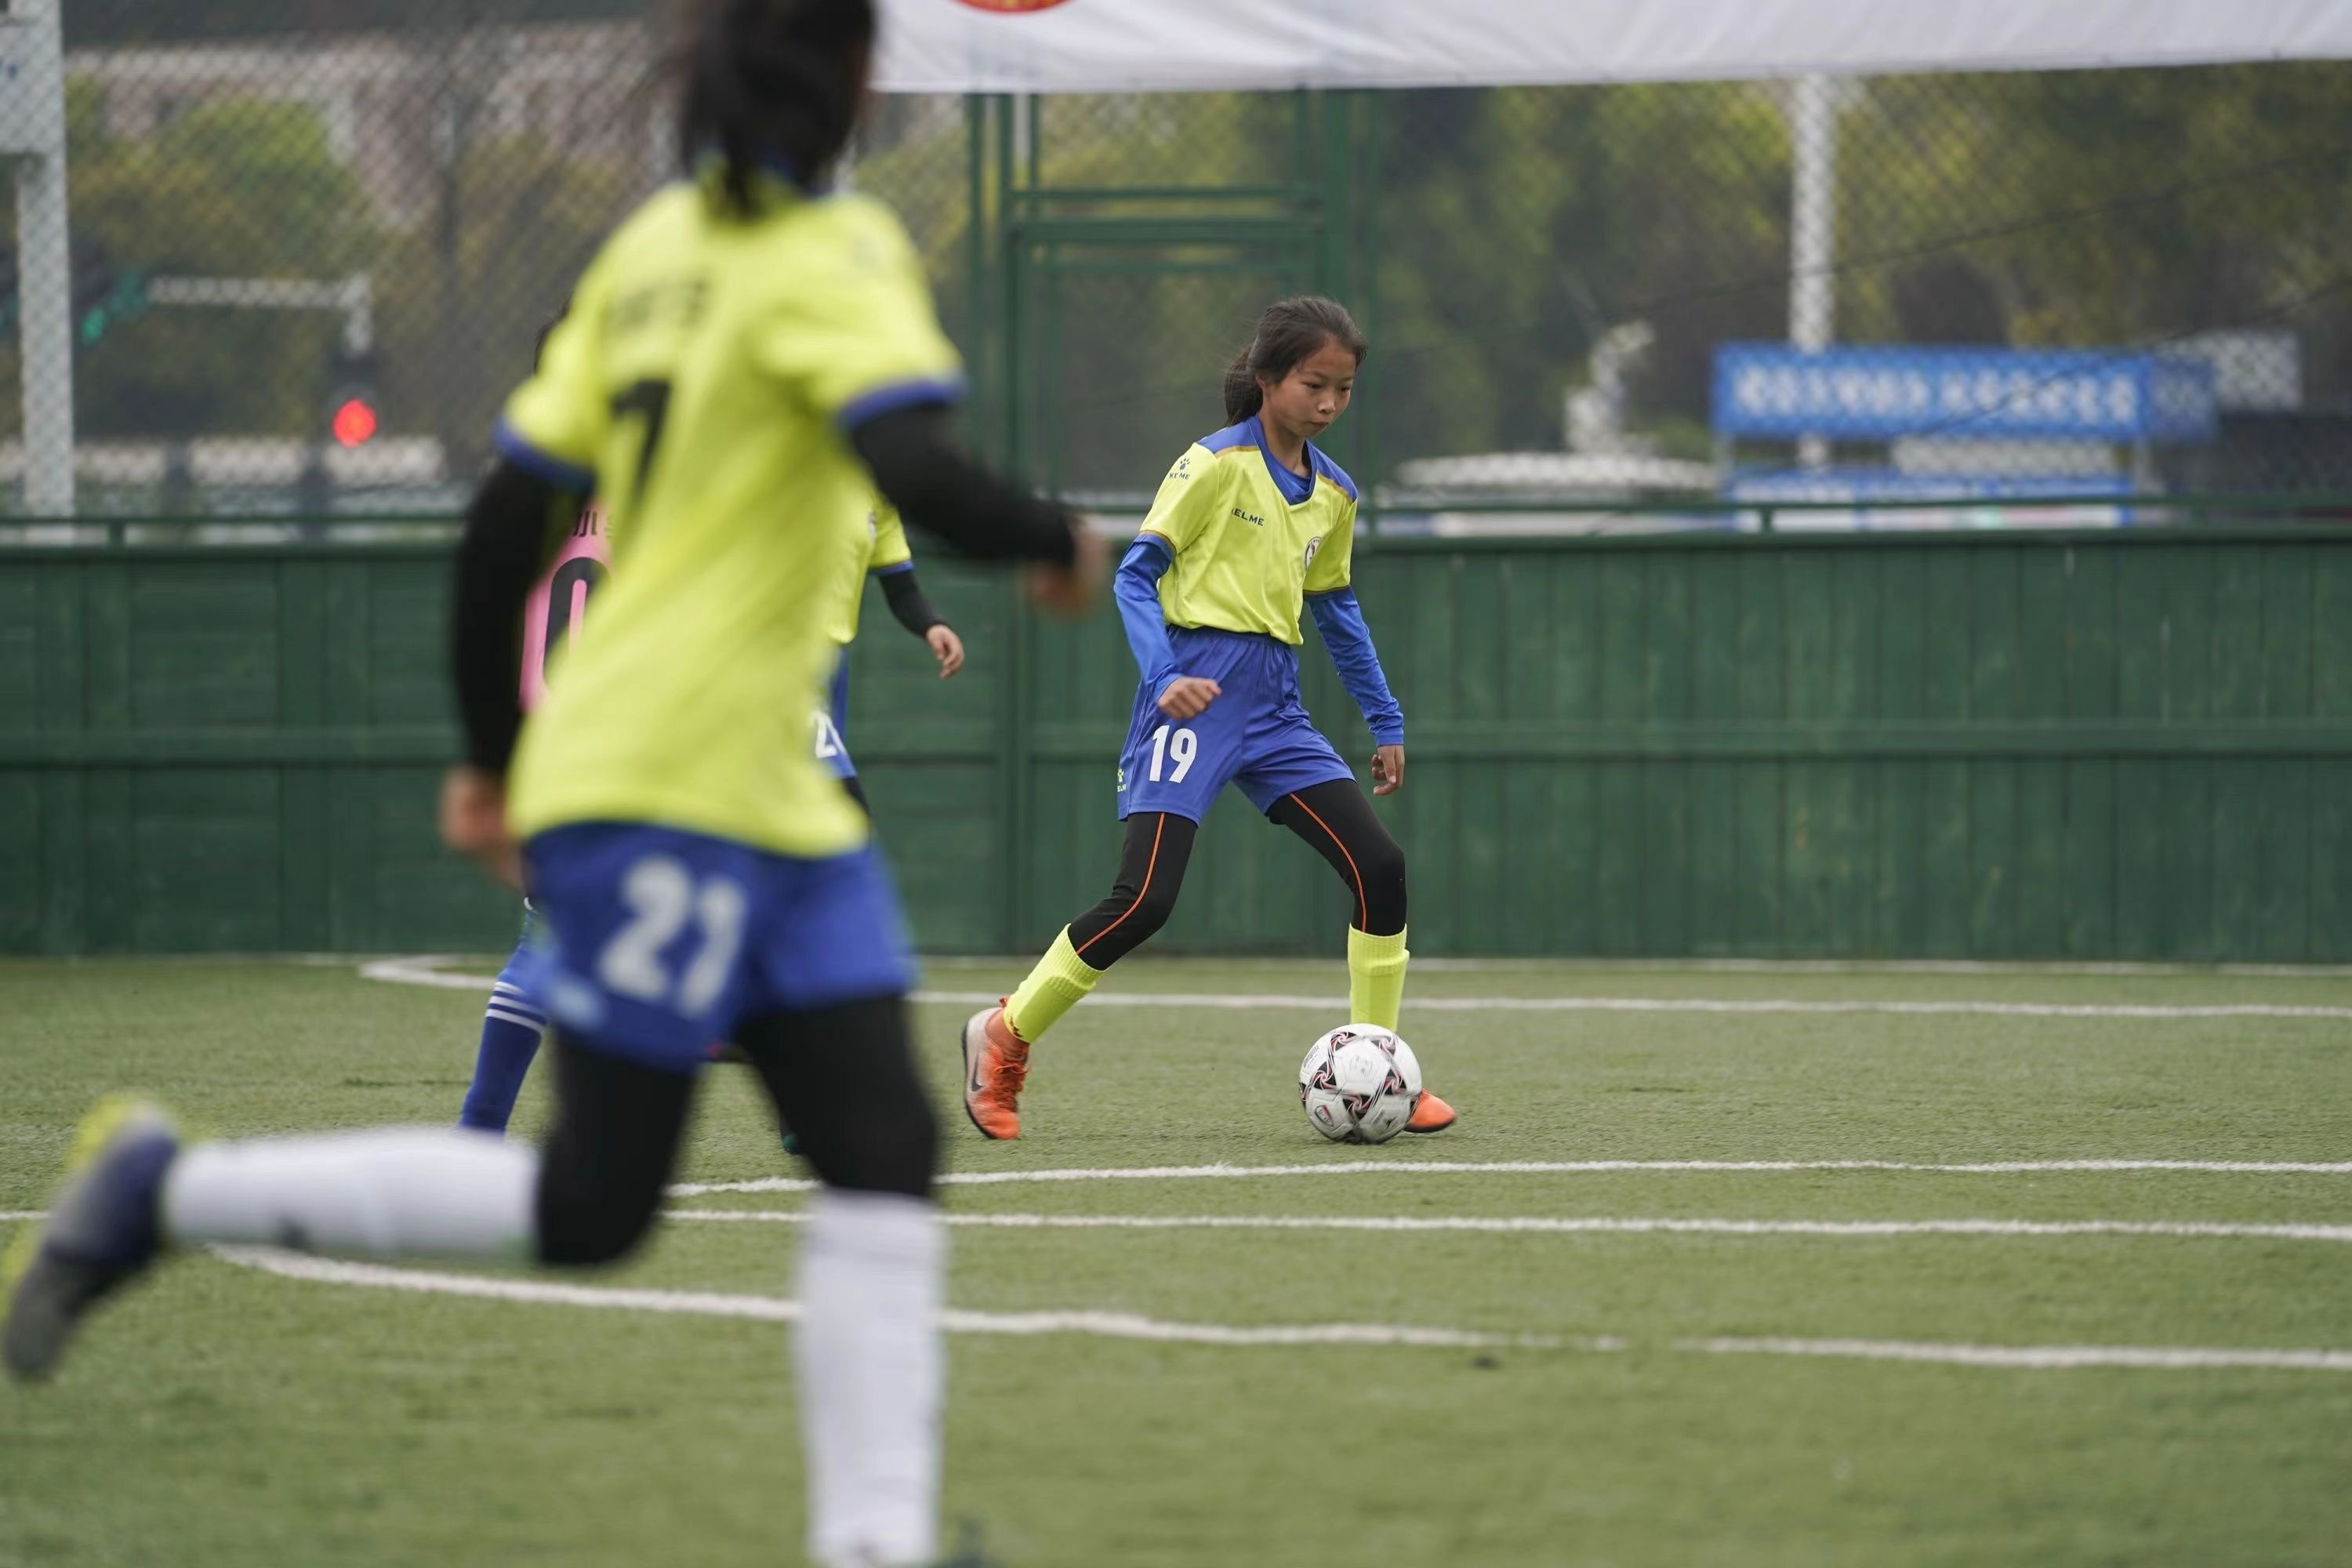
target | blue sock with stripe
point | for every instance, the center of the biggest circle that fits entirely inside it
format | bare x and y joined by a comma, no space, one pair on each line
511,1031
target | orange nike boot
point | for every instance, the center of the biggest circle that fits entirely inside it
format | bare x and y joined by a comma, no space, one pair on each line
995,1064
1430,1114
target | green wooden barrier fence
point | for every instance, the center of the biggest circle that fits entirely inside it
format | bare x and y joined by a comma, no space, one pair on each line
2125,745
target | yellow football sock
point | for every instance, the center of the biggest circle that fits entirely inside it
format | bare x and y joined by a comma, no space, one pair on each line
1375,977
1059,982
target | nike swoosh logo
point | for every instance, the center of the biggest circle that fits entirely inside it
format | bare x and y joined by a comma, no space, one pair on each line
973,1063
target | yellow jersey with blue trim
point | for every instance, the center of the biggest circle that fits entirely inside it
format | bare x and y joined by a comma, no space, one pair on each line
703,383
879,546
1250,538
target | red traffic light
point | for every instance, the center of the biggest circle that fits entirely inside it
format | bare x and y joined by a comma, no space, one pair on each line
355,422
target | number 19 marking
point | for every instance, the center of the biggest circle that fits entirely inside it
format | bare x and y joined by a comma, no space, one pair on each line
1183,746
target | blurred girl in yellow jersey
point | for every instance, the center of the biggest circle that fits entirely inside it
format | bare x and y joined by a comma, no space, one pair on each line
745,361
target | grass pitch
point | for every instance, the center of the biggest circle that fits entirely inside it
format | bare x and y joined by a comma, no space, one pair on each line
1653,1394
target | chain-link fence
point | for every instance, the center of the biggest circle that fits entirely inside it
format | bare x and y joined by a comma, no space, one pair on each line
2042,284
312,245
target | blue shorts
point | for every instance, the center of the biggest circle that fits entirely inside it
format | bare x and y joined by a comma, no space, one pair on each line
655,942
829,724
518,965
1256,734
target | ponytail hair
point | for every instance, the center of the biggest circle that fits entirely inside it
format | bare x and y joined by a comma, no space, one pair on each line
1291,330
772,85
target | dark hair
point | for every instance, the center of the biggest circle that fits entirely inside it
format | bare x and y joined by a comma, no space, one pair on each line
772,84
1291,330
538,344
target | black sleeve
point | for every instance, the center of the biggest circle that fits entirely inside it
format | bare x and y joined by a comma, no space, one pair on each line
912,610
512,527
947,495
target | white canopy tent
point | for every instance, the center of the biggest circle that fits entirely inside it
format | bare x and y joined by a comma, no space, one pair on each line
1184,46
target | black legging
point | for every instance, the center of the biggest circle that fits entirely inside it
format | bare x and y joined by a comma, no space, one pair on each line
843,1077
1335,817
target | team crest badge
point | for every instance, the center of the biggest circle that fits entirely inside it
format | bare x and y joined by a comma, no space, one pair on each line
1313,545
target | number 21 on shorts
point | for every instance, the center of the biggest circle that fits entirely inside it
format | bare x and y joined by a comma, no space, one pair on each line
1180,746
662,895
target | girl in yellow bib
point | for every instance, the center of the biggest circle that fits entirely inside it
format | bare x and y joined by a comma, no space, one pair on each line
1251,526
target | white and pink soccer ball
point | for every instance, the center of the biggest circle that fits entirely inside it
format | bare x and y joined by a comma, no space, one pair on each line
1359,1084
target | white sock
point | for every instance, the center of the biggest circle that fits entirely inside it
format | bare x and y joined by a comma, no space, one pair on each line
394,1193
867,1348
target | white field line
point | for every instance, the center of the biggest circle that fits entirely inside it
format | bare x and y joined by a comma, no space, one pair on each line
417,971
1133,1326
1258,1001
1526,1168
773,1308
1549,1225
1552,1168
9,1216
2089,969
984,964
2031,1358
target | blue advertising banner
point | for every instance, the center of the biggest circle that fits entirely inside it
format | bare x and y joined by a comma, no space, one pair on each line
1877,394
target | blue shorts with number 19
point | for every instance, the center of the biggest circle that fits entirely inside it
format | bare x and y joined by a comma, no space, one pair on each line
1256,734
655,942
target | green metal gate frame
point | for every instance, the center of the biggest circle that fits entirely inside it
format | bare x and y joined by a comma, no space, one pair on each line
1028,236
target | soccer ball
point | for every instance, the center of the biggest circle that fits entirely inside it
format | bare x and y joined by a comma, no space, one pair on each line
1358,1083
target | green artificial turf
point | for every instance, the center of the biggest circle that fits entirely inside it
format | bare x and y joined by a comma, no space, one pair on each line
219,1416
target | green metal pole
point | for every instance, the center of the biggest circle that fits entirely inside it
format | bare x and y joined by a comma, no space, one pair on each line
1049,369
1011,236
978,246
1366,171
1302,150
1340,221
1021,645
1036,110
1332,263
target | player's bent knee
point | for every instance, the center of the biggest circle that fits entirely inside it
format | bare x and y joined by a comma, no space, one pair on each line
885,1147
584,1221
1153,910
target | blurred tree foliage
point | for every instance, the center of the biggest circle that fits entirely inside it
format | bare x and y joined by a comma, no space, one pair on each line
2082,209
234,188
466,288
243,188
1512,229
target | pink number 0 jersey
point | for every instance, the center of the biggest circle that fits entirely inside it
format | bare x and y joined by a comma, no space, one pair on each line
552,618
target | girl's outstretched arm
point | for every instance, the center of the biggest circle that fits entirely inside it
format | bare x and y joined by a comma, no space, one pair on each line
1349,641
